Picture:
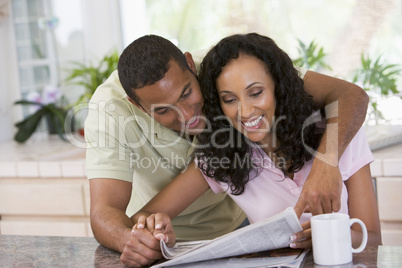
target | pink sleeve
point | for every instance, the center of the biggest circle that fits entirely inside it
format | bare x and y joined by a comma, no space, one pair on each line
356,155
215,187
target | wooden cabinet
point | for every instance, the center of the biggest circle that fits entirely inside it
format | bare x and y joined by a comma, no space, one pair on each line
44,206
389,194
387,171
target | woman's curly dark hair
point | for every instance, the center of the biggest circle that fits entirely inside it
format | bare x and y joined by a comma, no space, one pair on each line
221,141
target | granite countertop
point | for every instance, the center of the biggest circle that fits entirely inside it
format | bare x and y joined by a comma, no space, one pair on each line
53,251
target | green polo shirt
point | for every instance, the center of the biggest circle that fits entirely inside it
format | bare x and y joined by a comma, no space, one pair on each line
127,144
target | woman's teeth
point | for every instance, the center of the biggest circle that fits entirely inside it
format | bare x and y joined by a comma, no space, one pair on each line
253,123
192,121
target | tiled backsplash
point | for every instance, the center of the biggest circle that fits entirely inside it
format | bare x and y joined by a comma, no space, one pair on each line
388,161
50,157
55,158
45,169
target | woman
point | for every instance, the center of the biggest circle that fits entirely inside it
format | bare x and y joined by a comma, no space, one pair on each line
259,144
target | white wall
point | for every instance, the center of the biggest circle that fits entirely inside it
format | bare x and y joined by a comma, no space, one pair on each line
9,86
134,22
101,21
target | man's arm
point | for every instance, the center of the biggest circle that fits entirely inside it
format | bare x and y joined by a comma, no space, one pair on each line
346,106
109,200
112,227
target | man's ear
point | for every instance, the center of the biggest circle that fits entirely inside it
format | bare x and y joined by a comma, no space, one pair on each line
190,61
135,103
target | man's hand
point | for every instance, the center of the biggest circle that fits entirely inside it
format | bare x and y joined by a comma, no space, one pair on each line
322,190
142,249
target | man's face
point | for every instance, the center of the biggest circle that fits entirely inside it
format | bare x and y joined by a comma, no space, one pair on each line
175,101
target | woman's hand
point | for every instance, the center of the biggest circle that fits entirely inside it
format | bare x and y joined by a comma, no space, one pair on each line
321,193
160,226
302,239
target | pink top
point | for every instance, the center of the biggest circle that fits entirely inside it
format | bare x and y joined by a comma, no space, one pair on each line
270,192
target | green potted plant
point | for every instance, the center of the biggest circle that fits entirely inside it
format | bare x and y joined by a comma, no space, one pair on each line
377,78
311,56
91,76
42,106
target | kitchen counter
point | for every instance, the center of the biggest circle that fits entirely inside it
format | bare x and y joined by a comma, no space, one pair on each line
44,157
388,161
43,251
43,187
53,251
387,171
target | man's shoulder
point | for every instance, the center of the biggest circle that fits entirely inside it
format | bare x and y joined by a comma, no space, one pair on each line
109,90
109,106
111,98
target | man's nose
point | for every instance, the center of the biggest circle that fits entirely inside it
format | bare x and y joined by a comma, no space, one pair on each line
185,113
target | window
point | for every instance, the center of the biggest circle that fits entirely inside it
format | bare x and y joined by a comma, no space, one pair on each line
37,61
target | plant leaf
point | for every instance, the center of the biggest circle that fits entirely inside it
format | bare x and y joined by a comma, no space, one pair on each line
27,126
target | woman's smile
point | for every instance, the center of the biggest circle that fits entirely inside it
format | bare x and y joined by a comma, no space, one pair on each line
253,124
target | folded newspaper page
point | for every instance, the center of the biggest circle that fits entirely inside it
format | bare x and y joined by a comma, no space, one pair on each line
285,257
268,234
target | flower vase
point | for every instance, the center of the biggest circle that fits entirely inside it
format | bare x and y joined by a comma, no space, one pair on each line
53,125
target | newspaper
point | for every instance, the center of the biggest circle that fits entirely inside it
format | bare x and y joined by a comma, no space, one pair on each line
285,257
268,234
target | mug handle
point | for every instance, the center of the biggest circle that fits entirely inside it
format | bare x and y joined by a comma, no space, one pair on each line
364,231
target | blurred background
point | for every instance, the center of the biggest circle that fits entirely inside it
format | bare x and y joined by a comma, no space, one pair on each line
60,47
55,53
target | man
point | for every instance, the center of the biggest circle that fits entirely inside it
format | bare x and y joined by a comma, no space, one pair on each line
141,137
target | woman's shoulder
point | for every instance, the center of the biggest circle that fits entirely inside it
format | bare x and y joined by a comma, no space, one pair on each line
356,155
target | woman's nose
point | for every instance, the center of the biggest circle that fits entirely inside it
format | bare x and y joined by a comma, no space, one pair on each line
245,110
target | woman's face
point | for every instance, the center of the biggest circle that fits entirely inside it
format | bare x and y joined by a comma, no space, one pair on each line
246,92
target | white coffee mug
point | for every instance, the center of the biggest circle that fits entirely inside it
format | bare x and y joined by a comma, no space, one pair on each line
331,236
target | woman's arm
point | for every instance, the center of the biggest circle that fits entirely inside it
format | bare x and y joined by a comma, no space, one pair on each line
170,202
362,204
345,103
346,106
177,195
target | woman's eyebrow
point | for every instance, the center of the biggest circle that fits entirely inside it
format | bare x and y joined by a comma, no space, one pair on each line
252,84
249,86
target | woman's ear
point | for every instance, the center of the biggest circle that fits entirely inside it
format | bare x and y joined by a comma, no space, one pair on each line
190,62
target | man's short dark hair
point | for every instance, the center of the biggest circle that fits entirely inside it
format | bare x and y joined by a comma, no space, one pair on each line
145,61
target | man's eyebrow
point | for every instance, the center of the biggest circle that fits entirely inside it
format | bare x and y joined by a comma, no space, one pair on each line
186,86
